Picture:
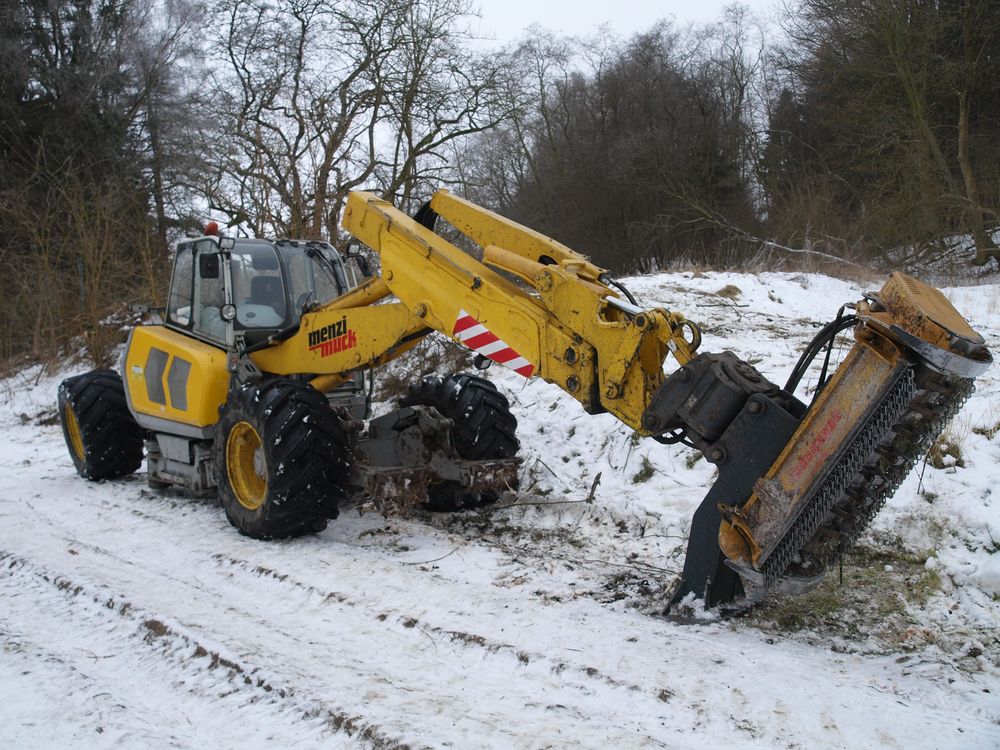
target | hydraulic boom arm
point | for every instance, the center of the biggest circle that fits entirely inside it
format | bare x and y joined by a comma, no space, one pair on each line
797,483
573,330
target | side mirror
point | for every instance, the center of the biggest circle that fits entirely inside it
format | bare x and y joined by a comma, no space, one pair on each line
354,253
364,265
227,243
208,265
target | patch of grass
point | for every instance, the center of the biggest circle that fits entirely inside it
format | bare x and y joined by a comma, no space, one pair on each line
994,545
645,472
989,431
875,605
729,291
800,612
946,452
924,587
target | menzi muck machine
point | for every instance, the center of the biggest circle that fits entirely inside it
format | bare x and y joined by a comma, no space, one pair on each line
252,388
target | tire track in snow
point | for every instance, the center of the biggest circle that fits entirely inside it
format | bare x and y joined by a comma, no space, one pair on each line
399,618
93,608
110,558
162,512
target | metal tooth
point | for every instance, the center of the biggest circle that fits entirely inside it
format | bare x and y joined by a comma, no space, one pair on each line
865,499
842,513
938,386
805,528
924,410
855,494
829,534
888,452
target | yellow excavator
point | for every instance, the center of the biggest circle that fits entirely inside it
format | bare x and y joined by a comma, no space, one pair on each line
253,387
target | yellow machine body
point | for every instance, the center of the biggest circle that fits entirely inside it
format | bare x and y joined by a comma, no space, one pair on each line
562,324
174,381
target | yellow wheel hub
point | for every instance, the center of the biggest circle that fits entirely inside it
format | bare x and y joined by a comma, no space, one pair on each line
75,435
246,465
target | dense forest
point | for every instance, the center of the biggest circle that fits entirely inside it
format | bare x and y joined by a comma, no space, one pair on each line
862,129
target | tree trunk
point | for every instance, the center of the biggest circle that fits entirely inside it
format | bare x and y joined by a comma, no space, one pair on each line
156,167
985,246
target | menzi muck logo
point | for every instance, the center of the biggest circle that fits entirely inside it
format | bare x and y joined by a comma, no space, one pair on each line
332,339
480,339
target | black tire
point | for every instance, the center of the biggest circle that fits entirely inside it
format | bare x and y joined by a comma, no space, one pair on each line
484,429
282,458
103,438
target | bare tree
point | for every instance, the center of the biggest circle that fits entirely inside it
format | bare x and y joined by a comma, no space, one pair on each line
980,34
629,150
165,56
317,98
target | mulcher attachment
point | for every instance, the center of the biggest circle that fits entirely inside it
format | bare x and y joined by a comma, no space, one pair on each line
830,467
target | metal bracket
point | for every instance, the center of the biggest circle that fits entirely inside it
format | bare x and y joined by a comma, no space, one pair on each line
246,371
745,452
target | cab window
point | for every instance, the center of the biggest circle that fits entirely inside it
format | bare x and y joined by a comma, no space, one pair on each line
315,274
196,291
258,286
181,286
208,298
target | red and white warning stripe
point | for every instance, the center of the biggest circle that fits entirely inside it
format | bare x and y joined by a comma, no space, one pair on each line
481,339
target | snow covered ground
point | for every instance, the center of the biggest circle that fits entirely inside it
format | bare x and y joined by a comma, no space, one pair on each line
132,618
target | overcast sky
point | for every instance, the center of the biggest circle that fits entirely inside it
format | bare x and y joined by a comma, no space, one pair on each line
505,20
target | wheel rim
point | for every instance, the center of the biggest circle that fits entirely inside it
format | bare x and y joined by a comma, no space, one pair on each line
246,465
75,435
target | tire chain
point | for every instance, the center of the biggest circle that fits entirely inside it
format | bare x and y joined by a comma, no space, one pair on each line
900,432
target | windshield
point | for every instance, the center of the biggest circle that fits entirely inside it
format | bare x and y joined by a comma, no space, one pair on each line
315,274
258,286
273,283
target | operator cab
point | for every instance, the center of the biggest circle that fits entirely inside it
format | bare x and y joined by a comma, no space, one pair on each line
270,284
